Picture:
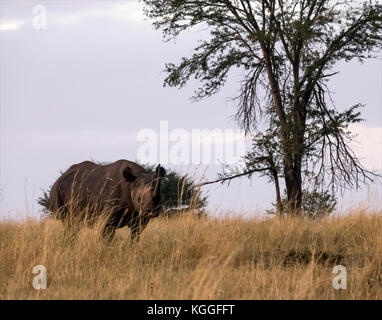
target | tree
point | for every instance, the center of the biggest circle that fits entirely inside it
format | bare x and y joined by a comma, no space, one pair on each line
288,51
178,193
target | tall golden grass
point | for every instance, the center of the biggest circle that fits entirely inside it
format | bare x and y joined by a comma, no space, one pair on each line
197,258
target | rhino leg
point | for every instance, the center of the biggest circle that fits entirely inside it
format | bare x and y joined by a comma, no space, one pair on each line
137,228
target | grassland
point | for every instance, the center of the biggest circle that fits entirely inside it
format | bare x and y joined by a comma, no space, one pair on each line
197,258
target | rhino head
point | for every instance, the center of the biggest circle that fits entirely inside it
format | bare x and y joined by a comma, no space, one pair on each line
145,190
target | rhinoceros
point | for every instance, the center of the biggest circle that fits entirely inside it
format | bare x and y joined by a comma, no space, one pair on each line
123,189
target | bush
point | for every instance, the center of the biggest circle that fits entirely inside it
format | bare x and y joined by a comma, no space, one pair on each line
315,204
179,193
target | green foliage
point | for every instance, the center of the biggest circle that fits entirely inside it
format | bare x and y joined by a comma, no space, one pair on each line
179,193
311,31
44,200
315,204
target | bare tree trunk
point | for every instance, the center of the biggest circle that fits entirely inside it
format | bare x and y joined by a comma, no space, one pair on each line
293,182
294,192
279,204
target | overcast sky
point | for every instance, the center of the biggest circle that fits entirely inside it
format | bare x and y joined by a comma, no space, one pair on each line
87,84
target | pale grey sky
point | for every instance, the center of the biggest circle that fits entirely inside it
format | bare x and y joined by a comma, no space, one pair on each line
84,87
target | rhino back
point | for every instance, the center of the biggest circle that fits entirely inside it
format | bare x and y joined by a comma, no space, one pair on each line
91,182
67,184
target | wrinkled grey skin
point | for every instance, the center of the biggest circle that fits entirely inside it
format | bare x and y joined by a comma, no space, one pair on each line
126,191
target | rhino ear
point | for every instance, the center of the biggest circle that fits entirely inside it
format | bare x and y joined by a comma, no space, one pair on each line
160,171
128,175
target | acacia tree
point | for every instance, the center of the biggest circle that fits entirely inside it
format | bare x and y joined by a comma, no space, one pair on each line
288,51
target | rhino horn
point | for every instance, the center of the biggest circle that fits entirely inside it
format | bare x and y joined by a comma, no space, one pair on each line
160,172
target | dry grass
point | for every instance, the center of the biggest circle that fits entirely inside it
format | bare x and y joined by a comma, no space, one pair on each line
189,258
